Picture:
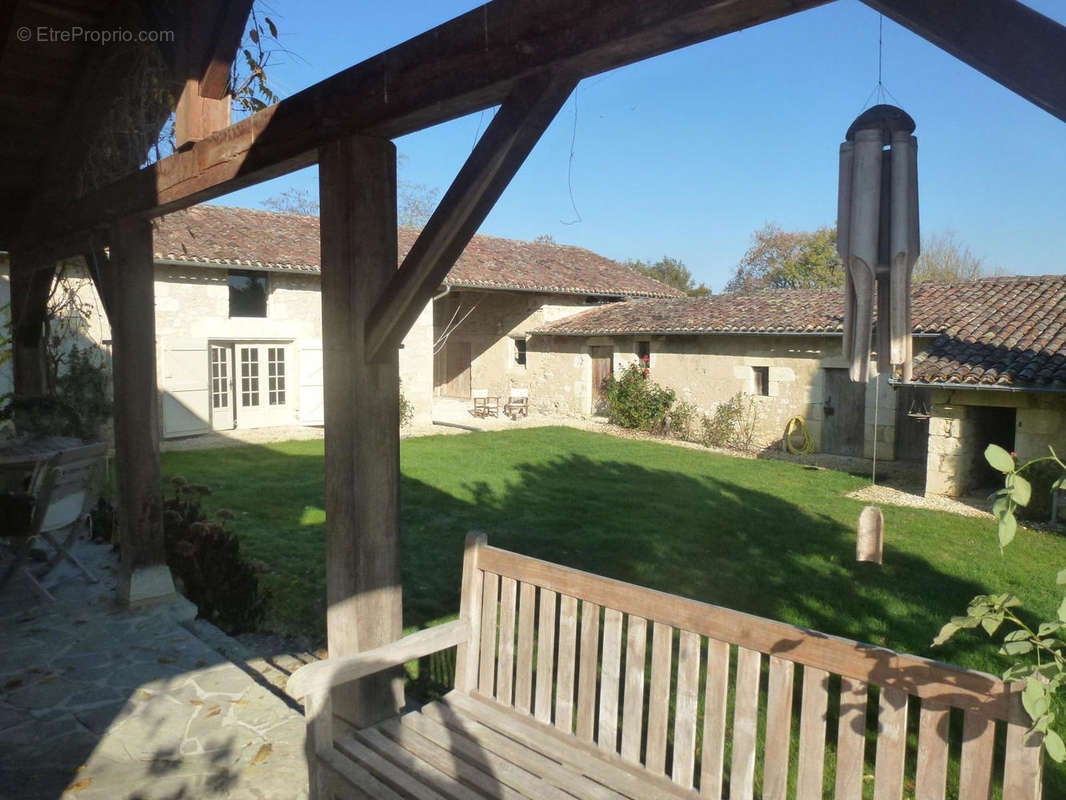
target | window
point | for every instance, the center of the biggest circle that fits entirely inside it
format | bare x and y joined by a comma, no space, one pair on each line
276,376
219,377
249,376
762,380
644,351
520,352
247,293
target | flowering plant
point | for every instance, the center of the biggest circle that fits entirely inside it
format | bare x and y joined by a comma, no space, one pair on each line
633,400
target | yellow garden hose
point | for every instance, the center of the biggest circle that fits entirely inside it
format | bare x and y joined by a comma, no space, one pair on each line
808,443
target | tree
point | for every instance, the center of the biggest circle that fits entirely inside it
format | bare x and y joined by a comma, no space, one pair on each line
779,259
414,202
672,272
293,201
944,258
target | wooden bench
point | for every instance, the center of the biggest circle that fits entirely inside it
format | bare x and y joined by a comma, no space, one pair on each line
569,685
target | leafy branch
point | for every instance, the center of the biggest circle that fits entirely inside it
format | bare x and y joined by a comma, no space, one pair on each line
1038,654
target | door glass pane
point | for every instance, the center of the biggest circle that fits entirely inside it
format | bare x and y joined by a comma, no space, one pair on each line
219,378
249,376
276,375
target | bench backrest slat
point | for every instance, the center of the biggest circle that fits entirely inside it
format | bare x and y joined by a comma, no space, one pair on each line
681,688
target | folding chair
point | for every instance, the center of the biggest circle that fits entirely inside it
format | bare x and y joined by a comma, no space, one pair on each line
517,403
64,492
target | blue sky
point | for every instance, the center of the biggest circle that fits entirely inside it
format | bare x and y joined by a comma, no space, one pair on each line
688,153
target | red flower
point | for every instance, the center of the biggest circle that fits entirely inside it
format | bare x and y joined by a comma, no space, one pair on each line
647,371
646,358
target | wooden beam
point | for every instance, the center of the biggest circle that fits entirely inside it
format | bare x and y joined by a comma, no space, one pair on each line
228,32
203,57
465,65
144,576
7,25
1006,40
31,282
502,150
357,179
196,117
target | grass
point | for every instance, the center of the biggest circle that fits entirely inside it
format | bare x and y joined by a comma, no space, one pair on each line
771,538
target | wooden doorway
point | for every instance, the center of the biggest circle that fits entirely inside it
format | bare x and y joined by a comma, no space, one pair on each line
602,356
453,370
844,419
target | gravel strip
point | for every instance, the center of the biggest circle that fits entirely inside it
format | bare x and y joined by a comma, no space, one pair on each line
896,497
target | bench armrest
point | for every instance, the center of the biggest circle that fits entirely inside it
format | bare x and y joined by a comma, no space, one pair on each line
320,676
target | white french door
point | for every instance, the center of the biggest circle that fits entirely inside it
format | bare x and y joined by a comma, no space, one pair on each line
222,411
250,385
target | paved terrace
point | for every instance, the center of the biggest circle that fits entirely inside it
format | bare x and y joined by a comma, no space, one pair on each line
98,703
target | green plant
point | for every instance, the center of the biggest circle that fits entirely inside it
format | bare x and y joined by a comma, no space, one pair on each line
681,420
732,424
1039,651
407,410
634,400
77,406
206,560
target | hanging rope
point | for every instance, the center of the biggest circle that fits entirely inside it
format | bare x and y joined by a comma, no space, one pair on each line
877,396
794,424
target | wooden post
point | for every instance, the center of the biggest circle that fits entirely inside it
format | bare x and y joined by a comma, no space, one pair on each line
144,578
30,285
357,176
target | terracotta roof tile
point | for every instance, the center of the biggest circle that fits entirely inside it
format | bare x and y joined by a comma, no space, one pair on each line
220,235
995,331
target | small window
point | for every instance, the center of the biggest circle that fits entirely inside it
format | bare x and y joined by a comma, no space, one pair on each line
644,351
276,376
520,352
219,377
762,380
247,293
249,376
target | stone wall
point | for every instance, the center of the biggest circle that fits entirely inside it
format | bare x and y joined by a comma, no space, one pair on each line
7,371
707,371
192,305
957,441
496,320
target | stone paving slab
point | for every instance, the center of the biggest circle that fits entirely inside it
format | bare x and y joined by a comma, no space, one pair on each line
102,703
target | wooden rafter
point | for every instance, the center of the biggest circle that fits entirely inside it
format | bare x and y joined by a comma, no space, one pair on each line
7,25
503,148
1006,40
227,34
465,65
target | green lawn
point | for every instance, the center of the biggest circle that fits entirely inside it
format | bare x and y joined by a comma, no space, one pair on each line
771,538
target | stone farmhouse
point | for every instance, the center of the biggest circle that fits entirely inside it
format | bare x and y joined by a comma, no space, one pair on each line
239,344
239,317
990,366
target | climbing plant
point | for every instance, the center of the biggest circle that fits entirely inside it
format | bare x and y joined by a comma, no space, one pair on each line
1038,652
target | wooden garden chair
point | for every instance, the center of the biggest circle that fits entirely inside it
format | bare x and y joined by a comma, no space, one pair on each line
517,403
63,495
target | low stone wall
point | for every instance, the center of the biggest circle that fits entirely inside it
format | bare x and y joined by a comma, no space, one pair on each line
957,441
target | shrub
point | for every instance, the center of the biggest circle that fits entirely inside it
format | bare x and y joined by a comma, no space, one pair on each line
206,559
681,421
80,404
407,410
634,400
732,424
1041,476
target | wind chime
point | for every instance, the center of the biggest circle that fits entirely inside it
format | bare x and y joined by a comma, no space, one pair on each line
877,238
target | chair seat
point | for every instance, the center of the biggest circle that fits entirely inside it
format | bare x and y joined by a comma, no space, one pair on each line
469,748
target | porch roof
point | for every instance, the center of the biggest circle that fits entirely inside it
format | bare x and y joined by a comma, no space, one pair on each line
211,235
1002,332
